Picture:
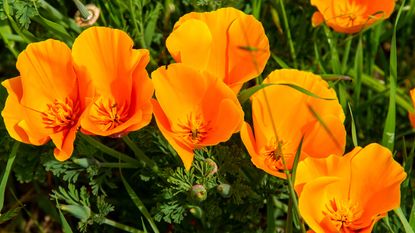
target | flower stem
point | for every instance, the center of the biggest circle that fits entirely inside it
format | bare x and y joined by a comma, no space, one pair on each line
85,14
288,32
117,165
108,150
139,154
121,226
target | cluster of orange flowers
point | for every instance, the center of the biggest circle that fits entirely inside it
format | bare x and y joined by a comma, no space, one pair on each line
101,87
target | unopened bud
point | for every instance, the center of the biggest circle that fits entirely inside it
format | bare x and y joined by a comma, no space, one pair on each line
198,192
212,165
224,190
87,15
196,211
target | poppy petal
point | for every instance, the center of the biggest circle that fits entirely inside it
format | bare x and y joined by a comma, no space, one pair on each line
379,191
106,58
14,115
185,153
191,43
329,134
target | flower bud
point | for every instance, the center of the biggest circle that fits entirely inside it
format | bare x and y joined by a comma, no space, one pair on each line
196,211
87,15
224,190
198,192
212,165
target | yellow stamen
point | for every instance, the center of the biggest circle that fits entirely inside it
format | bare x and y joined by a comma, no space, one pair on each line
107,114
60,115
193,130
342,213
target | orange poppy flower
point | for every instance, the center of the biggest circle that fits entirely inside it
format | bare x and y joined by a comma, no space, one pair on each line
349,193
226,42
119,91
194,109
411,114
351,16
294,115
43,102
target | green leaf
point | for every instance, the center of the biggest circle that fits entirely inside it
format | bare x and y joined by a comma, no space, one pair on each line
7,171
9,215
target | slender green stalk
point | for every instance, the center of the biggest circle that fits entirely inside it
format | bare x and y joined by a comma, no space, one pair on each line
379,87
108,150
139,154
288,32
7,171
117,165
388,138
286,171
139,204
270,215
85,14
404,221
121,226
346,54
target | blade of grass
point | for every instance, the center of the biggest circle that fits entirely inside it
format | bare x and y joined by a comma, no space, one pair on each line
6,173
279,61
354,134
388,138
289,220
318,58
346,54
139,204
121,226
270,216
288,33
140,154
108,150
358,67
401,216
66,228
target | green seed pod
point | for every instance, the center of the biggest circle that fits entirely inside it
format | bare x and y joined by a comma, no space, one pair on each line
224,190
198,192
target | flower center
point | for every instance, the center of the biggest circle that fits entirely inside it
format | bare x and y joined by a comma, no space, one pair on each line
193,129
342,213
351,14
107,114
274,153
60,115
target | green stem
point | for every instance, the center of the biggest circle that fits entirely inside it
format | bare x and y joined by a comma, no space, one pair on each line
117,165
292,193
139,154
404,221
121,226
377,86
288,31
346,54
85,14
108,150
7,171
